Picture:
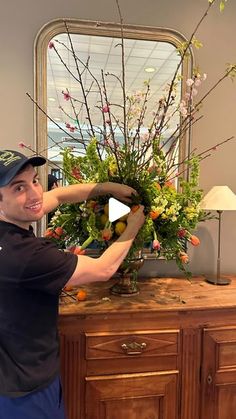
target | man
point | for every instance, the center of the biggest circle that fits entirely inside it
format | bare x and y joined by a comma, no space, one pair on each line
33,272
52,182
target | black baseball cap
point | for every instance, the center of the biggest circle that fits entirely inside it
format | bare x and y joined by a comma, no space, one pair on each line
11,162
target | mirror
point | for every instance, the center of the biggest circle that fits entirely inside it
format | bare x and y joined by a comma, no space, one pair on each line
150,54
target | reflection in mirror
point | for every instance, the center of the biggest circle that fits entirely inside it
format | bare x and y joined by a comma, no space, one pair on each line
150,59
156,61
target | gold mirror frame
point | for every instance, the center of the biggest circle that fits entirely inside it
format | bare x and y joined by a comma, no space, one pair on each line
76,26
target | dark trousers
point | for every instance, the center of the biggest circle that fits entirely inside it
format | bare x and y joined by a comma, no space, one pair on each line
43,404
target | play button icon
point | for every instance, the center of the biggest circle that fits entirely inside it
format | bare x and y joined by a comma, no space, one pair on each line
116,209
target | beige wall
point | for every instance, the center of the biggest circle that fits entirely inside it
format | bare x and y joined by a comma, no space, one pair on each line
19,24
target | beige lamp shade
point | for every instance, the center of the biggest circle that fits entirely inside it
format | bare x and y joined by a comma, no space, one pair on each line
219,198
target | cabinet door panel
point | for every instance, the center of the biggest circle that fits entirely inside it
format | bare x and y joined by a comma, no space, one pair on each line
226,402
72,373
133,396
219,374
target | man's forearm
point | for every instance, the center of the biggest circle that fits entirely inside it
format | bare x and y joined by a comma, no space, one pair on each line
82,192
111,259
101,269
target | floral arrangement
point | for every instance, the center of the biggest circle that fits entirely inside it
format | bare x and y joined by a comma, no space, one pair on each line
171,215
146,159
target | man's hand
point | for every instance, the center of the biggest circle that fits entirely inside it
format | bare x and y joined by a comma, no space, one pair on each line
136,219
121,192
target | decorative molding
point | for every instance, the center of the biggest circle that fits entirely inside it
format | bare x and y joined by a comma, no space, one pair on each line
191,362
57,26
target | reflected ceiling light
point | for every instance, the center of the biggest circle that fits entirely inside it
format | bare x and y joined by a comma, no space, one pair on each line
150,69
52,99
57,119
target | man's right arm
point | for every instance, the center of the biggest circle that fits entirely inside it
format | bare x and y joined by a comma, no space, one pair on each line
101,269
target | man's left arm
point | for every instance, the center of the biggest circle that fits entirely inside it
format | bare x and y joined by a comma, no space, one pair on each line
84,191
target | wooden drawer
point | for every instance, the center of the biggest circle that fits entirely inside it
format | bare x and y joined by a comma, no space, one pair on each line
222,343
137,351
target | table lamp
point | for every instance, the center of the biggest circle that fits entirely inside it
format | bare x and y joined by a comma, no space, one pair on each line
219,198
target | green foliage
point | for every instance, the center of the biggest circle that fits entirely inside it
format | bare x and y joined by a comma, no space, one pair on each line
222,5
168,210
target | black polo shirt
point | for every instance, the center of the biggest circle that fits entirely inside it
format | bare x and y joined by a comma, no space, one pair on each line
32,273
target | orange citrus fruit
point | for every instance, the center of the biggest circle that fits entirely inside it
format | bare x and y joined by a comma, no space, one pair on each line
124,218
134,208
103,219
81,295
120,227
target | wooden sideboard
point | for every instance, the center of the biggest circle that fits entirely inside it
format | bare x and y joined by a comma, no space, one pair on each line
167,353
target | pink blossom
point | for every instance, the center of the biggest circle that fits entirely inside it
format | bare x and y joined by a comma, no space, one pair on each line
144,137
204,76
108,142
22,144
51,45
66,95
194,92
181,233
197,82
70,127
189,82
105,109
183,111
182,108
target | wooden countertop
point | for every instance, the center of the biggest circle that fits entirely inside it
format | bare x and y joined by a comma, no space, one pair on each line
156,294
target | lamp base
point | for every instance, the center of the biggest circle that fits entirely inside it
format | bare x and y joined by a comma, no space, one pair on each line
219,281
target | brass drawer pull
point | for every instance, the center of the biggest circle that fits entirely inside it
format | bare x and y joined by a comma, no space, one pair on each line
133,348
